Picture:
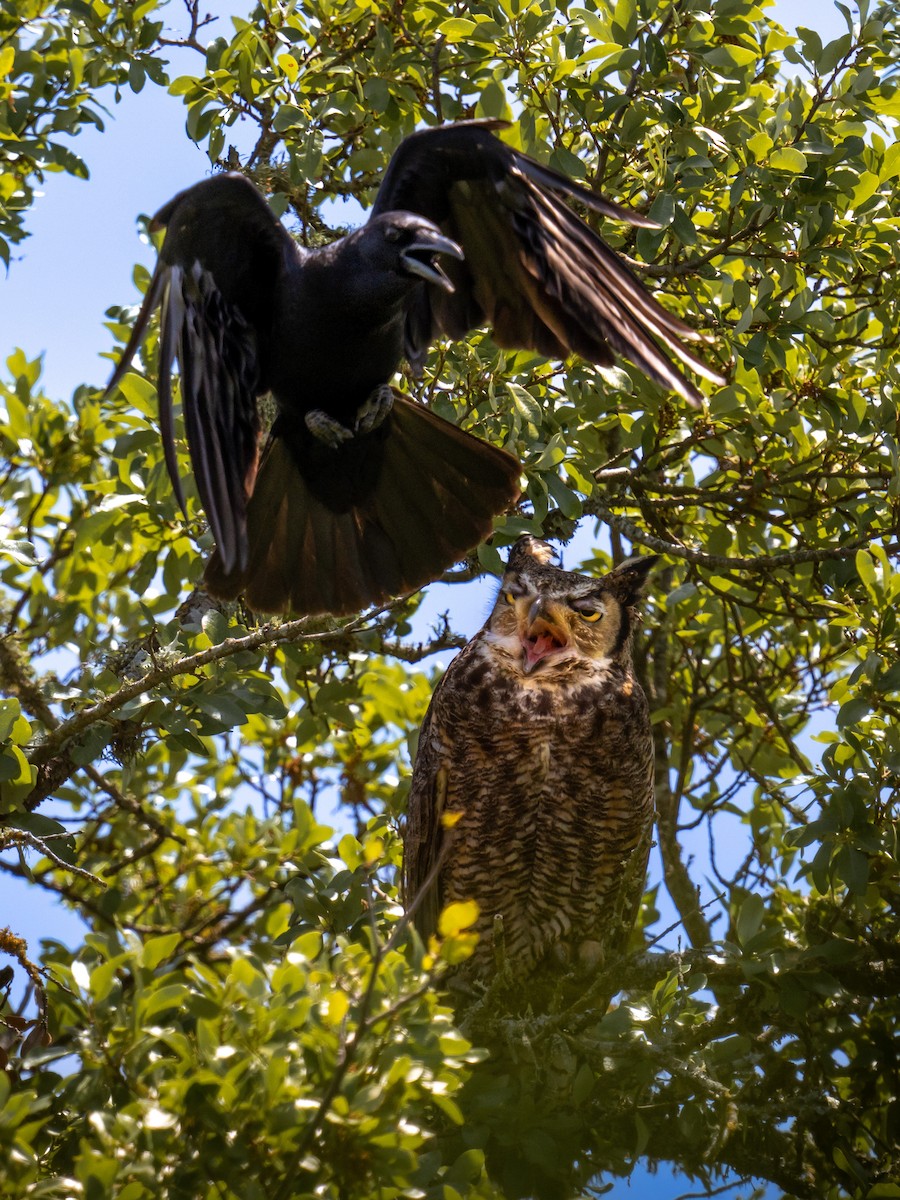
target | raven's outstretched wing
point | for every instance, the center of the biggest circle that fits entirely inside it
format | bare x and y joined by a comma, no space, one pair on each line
312,525
536,272
214,283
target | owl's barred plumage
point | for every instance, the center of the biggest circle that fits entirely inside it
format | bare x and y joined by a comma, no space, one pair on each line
539,735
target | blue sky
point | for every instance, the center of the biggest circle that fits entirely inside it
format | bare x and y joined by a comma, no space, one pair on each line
78,261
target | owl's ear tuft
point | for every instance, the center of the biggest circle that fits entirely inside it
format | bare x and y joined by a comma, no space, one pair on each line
531,547
627,580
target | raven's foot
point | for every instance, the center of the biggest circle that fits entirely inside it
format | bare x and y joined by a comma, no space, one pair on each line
326,429
368,417
371,414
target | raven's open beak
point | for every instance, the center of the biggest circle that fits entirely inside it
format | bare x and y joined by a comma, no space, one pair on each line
420,257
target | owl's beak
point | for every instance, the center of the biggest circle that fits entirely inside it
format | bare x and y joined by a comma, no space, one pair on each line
544,634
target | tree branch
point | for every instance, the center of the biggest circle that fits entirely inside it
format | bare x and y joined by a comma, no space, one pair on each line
762,564
53,756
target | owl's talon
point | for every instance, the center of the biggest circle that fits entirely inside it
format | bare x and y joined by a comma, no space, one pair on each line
326,429
372,414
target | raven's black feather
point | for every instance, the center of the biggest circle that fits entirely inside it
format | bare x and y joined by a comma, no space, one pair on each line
316,527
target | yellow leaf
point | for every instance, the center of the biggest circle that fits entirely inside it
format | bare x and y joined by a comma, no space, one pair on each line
289,66
457,917
336,1008
457,949
450,819
373,849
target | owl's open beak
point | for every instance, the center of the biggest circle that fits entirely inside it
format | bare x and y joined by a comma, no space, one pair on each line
544,635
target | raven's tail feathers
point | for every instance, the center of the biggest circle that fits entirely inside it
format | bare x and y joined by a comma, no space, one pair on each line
329,545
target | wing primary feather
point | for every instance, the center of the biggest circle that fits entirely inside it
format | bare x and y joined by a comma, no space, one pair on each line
215,281
570,231
154,291
549,178
202,421
566,256
510,213
170,334
164,290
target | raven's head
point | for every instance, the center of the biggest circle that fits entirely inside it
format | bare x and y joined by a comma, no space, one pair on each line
410,244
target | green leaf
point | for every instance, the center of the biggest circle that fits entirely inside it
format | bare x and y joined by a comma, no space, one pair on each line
525,404
10,715
17,778
158,949
750,918
457,29
853,711
852,866
222,711
289,117
43,827
162,999
890,165
215,626
866,569
140,394
787,158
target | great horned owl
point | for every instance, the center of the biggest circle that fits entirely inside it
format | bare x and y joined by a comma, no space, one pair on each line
539,735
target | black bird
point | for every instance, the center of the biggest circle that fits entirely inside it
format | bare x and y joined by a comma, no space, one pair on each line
360,493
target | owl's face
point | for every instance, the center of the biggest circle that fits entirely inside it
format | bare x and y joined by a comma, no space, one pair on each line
546,618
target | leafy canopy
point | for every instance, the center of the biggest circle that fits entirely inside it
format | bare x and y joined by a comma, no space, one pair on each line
247,1014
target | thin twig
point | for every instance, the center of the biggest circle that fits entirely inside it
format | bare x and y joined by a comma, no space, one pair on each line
19,837
762,564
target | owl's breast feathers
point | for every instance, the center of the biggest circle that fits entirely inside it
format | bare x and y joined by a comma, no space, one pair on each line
552,772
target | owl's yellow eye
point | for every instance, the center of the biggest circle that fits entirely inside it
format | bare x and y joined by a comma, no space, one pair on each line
510,598
591,616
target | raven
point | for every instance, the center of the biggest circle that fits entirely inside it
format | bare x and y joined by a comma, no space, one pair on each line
361,494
